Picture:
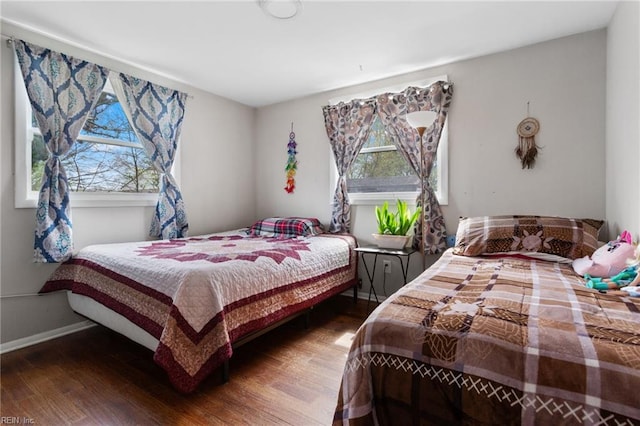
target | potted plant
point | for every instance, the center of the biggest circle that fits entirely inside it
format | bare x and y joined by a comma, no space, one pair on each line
394,227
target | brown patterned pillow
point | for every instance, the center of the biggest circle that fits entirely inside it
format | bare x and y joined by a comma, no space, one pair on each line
558,236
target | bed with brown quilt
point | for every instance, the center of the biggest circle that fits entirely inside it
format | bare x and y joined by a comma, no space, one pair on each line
500,330
191,300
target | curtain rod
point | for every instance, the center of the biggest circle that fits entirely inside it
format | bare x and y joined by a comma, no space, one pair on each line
10,39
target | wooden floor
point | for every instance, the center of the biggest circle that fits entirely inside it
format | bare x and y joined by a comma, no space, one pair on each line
290,375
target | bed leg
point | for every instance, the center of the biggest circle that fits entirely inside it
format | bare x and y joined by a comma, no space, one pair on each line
307,319
225,371
355,293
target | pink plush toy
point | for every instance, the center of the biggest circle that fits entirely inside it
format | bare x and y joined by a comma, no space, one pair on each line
609,260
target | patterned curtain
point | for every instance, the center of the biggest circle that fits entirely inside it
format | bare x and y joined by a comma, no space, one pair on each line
392,111
157,113
348,126
62,91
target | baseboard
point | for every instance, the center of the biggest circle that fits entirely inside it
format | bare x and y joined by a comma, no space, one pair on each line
82,325
43,337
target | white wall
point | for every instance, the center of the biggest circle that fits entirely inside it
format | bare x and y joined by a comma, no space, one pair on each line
623,120
564,82
227,181
217,189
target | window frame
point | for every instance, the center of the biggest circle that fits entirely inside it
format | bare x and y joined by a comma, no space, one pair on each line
26,197
374,198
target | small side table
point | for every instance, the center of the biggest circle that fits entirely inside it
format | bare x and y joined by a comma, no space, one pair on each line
376,251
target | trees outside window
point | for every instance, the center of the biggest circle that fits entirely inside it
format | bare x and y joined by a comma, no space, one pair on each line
107,157
381,168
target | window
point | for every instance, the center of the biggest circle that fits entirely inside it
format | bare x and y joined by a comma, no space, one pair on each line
380,167
106,166
380,172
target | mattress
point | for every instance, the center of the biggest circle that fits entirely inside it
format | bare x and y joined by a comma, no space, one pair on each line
99,313
197,296
495,340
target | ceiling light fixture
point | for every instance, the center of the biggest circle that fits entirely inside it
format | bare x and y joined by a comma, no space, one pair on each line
281,9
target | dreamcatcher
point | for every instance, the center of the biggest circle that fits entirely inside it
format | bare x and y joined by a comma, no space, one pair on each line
527,149
292,163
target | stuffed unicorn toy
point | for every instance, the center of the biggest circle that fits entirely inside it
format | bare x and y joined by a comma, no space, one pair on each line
609,260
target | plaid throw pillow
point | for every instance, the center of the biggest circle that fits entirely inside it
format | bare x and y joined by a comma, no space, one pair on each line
559,236
286,227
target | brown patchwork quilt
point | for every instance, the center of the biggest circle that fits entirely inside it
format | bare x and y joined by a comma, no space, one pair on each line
495,340
199,295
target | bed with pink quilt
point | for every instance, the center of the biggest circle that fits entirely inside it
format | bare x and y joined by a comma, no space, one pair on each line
194,298
500,330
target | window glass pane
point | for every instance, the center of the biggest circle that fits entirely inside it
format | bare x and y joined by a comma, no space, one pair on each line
378,137
433,177
39,155
101,167
108,120
384,170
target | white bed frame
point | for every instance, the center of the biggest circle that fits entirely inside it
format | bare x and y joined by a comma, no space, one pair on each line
102,315
97,312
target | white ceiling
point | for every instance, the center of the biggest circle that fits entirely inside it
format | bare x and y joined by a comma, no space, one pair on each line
234,49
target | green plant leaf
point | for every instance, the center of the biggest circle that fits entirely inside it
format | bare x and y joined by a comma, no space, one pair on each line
382,216
398,223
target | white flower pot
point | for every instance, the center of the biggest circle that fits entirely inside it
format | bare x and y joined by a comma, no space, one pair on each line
391,241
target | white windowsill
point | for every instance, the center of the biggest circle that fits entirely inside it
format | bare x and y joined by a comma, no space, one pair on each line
97,199
371,199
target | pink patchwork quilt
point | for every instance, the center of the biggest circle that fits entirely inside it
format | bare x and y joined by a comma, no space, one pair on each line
199,295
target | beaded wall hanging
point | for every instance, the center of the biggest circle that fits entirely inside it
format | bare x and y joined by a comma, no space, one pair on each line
292,163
